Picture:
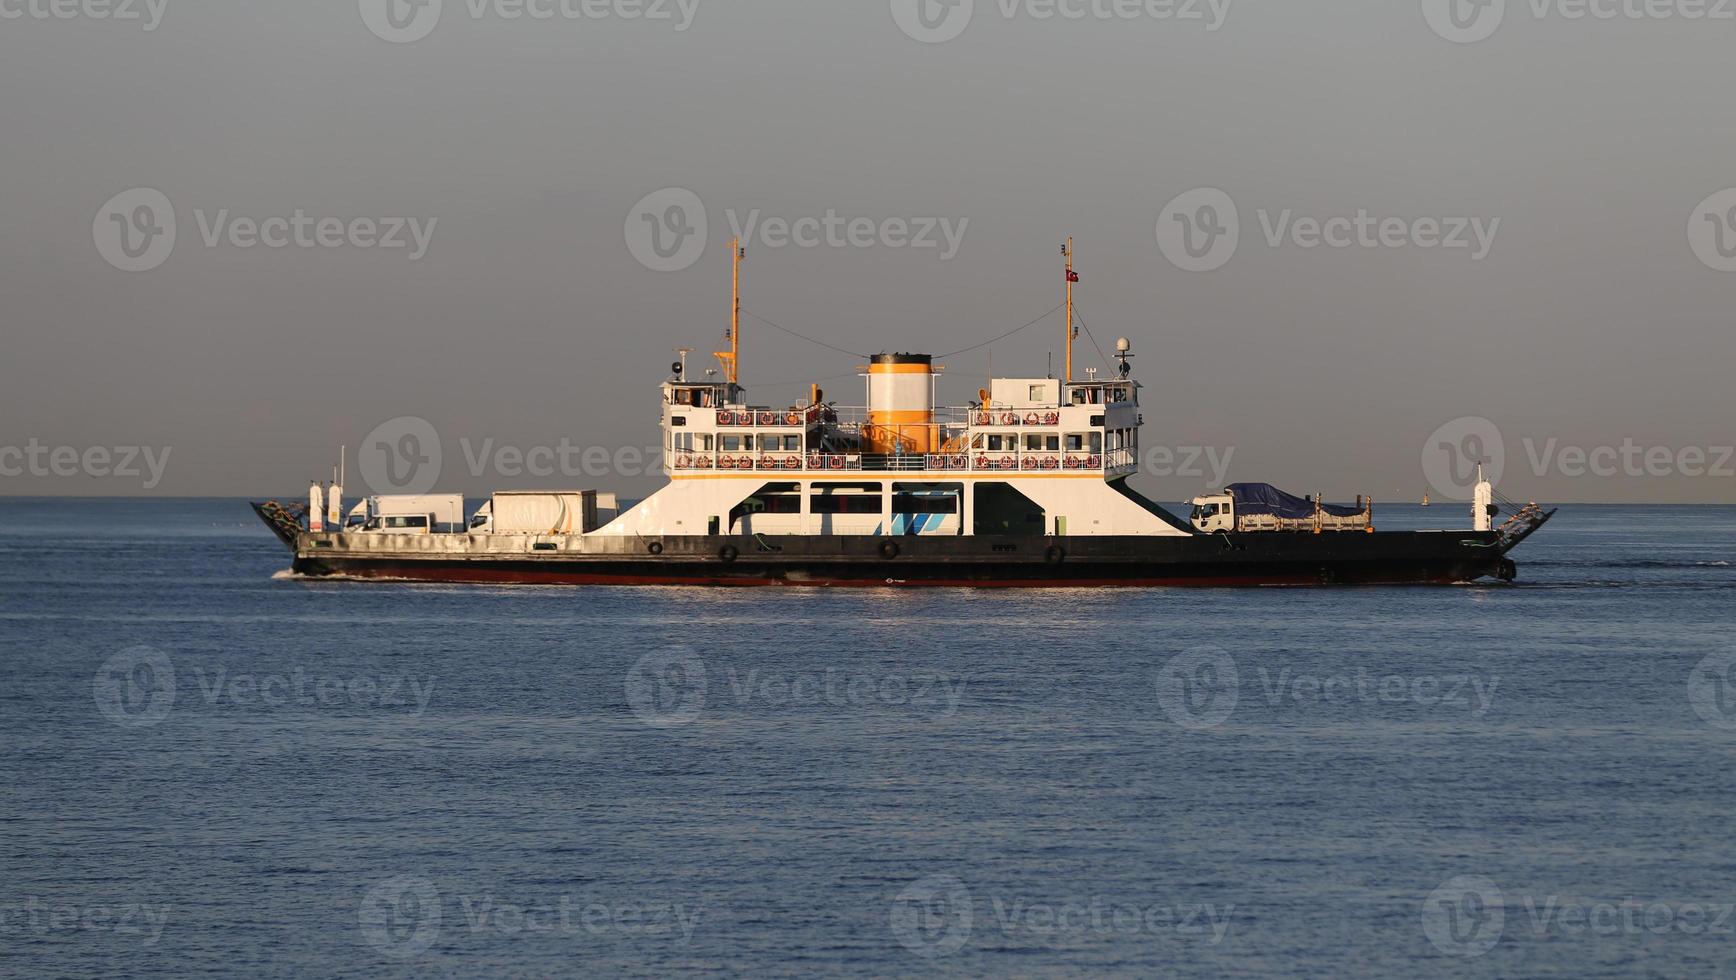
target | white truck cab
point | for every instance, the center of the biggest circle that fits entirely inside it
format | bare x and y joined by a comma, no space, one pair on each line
1214,512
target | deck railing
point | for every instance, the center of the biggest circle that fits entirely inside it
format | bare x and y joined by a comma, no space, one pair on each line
1010,463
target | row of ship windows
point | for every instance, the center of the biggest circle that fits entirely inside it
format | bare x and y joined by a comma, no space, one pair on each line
1073,442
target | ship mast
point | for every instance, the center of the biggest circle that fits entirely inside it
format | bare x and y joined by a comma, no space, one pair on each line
1072,277
731,359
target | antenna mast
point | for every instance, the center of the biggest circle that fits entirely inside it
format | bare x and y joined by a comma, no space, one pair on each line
731,358
1072,277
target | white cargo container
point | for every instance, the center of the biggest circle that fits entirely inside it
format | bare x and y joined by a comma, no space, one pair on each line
537,512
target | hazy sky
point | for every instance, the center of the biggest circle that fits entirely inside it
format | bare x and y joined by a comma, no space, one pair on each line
1581,150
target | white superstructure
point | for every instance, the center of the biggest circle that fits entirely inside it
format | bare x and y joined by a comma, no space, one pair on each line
1039,456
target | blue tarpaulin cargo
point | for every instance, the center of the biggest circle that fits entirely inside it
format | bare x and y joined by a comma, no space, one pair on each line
1264,498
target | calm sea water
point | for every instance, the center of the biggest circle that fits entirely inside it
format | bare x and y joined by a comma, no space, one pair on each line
207,767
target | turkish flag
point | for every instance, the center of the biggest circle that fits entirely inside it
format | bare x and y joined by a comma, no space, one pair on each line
1072,276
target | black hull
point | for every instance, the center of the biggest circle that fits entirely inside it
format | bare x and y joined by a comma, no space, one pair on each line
1343,558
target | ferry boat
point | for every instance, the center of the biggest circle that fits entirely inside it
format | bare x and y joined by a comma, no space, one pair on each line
1027,485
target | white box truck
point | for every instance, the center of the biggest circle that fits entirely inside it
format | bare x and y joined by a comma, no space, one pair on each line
537,512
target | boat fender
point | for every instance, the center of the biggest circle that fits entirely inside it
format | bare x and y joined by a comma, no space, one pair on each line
1055,555
889,550
656,547
1508,571
728,553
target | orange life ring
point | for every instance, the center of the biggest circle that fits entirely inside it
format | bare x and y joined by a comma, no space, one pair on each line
1072,462
1053,418
768,418
1049,463
1009,419
1032,419
704,462
1094,463
684,462
837,462
1030,462
725,463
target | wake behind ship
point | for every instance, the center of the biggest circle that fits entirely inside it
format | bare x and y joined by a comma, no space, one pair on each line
1025,486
